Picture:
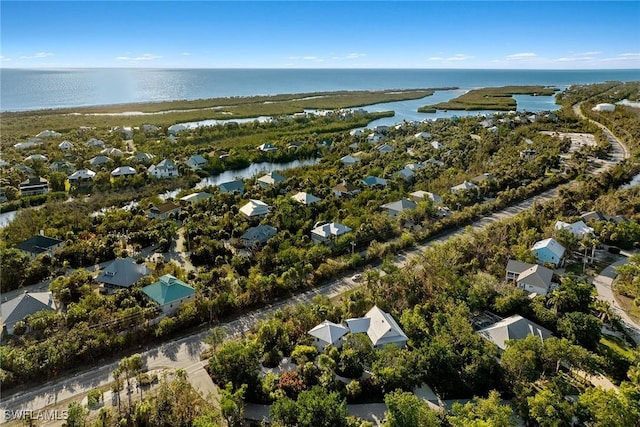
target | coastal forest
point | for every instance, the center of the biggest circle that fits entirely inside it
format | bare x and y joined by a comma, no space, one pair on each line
440,288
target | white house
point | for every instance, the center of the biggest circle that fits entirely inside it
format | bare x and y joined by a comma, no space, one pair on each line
406,174
396,208
326,232
356,132
422,135
465,186
579,229
422,195
536,279
349,160
374,138
437,145
305,198
328,333
513,328
267,146
82,175
18,308
123,171
380,327
48,134
112,152
272,178
165,169
96,143
65,145
254,208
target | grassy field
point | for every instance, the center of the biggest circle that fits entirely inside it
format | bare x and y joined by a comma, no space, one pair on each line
29,123
492,98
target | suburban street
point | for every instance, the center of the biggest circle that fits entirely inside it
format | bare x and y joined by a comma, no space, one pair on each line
184,353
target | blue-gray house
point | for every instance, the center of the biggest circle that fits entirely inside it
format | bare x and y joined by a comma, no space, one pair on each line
549,250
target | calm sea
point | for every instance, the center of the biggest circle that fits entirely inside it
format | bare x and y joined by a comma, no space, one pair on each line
36,89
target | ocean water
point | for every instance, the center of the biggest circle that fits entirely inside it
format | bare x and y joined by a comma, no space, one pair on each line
22,90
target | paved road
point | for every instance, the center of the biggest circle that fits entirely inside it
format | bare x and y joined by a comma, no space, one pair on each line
184,353
603,284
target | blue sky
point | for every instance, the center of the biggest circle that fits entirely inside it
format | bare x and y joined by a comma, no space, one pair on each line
329,34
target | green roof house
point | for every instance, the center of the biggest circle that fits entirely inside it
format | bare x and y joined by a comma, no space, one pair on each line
169,292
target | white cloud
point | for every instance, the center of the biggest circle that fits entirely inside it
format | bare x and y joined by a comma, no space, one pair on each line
629,55
460,57
38,55
436,58
524,55
144,57
186,54
352,55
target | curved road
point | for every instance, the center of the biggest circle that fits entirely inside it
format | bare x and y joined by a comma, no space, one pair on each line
184,352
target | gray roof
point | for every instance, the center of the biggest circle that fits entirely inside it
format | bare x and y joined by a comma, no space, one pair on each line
38,244
518,267
232,186
512,328
123,272
28,303
328,332
399,206
259,234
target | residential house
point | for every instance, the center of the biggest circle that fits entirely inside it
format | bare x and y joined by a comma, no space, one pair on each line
196,162
48,134
380,327
578,229
40,244
594,216
305,198
535,279
513,328
123,171
169,293
174,129
272,178
34,186
514,268
164,211
33,142
257,236
235,187
65,145
406,174
112,152
82,176
98,161
375,138
325,233
149,128
435,162
349,160
328,333
384,148
122,273
549,250
61,166
95,143
423,195
345,189
485,177
422,135
254,208
125,131
165,169
414,166
356,132
381,128
437,145
374,181
24,169
396,208
18,308
36,158
143,157
196,197
465,186
267,146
